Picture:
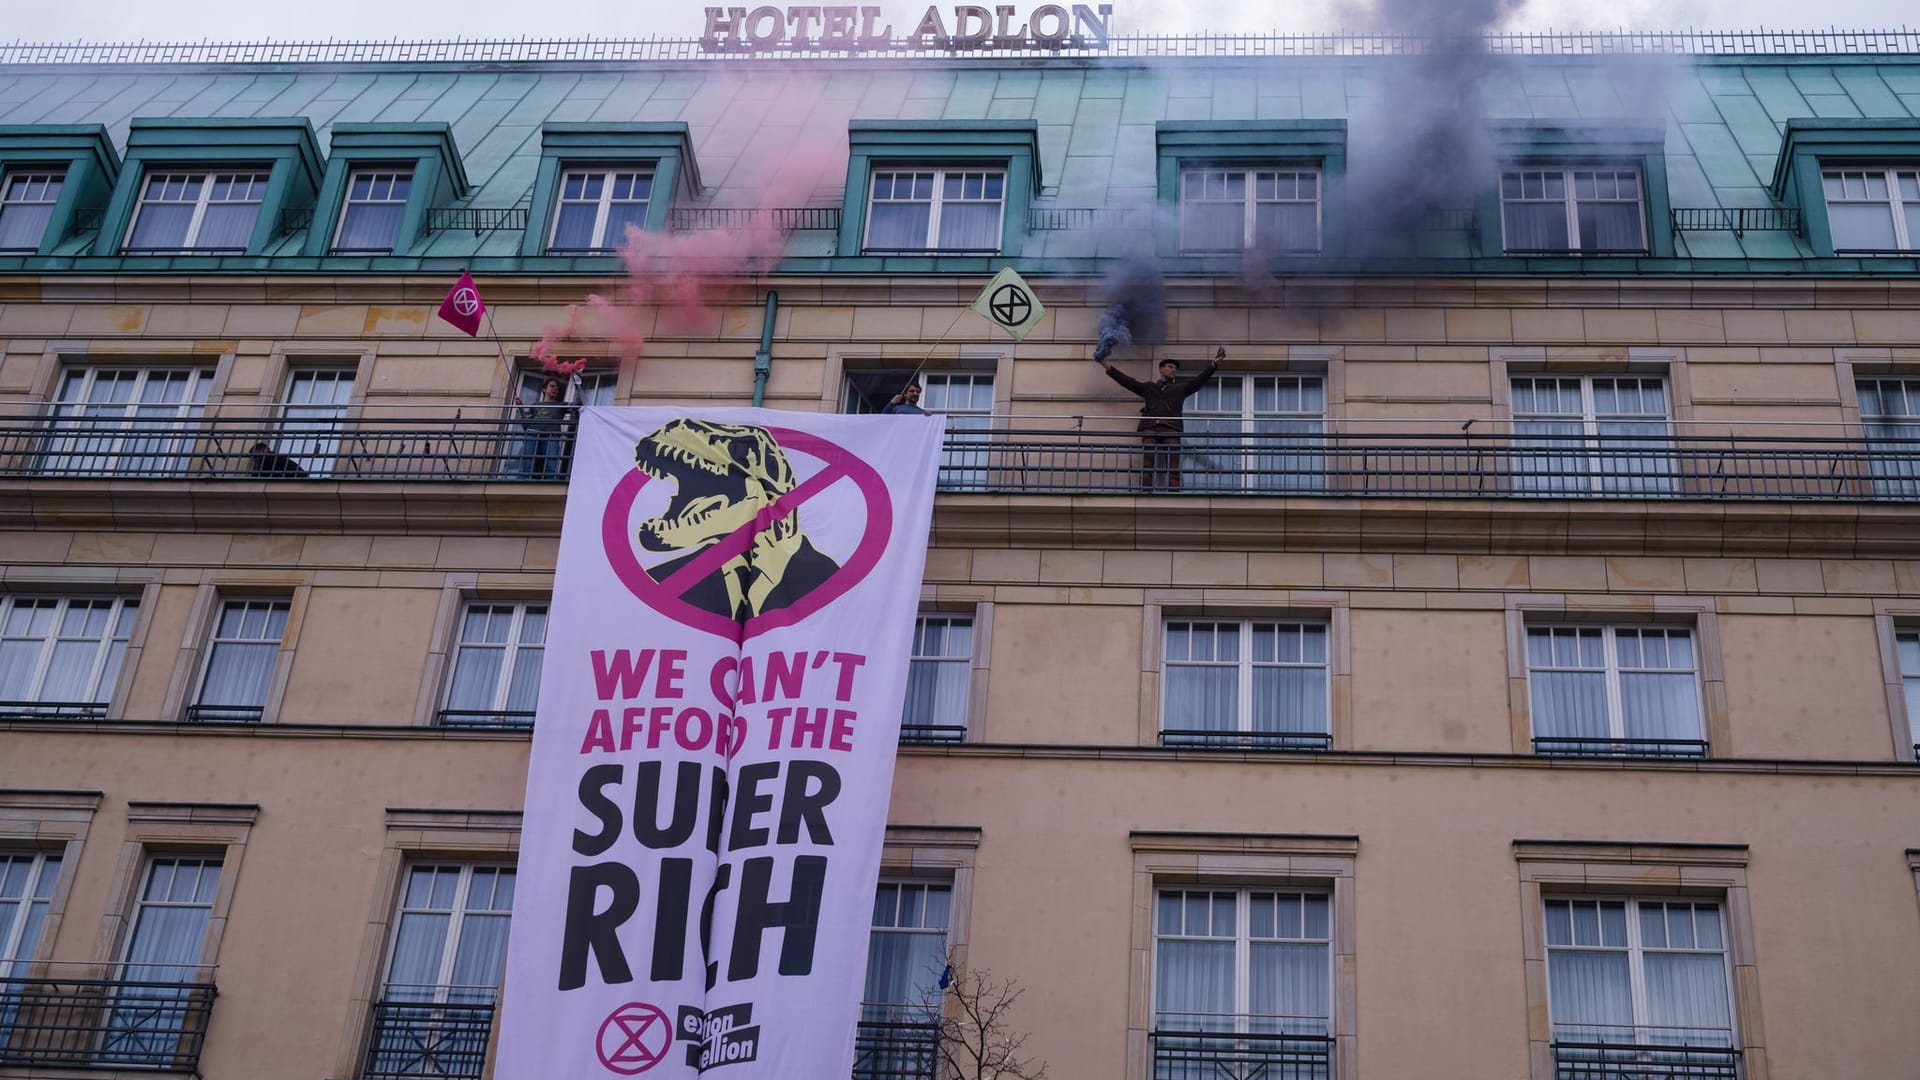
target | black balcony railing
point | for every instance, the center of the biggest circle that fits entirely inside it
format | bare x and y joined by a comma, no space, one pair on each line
52,710
896,1050
56,1021
1568,746
1245,740
226,714
1613,1061
1084,455
1226,1055
514,719
411,1040
932,733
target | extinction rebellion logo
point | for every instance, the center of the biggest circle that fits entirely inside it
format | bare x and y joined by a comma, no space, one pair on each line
720,1037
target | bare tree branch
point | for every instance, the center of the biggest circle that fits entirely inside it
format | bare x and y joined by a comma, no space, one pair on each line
977,1040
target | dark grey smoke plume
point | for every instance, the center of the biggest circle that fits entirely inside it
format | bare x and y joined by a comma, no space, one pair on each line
1428,149
1136,306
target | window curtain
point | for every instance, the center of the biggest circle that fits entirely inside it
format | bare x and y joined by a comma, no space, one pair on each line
227,225
146,1023
419,943
1287,226
937,692
1290,699
1659,705
1212,226
1591,996
1201,698
903,974
1193,985
1862,226
479,958
23,225
1610,226
1687,999
370,226
1289,984
1536,226
1567,704
239,673
476,678
161,225
1888,419
970,227
573,229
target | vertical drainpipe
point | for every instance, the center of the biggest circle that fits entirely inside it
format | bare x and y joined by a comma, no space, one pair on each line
763,360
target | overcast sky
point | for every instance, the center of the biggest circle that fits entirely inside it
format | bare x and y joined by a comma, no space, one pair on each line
238,20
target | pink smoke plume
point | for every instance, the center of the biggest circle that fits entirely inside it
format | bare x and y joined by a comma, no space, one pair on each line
677,281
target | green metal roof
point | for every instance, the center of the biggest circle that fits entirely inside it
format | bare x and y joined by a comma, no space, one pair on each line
1724,119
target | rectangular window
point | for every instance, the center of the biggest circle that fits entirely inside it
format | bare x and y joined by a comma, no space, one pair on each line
210,213
496,666
1572,211
938,678
1639,988
26,207
1908,645
241,656
310,423
1268,210
1243,983
1591,434
370,217
160,1007
596,207
447,954
61,656
26,890
966,399
952,211
1629,690
1247,683
906,977
1890,413
1256,433
125,421
1873,208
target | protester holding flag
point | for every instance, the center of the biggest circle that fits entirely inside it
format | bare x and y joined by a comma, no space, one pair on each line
1161,404
545,424
906,402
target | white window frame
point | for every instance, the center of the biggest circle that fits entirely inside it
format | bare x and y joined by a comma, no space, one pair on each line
50,179
1611,674
214,641
122,613
1895,203
393,175
1892,465
1595,474
456,918
258,177
43,875
309,430
1570,199
510,653
1910,683
1243,733
941,729
113,439
1242,950
1253,463
1251,177
907,1011
610,174
1636,951
966,399
938,201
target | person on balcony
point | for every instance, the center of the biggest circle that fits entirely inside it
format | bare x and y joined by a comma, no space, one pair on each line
905,403
264,460
1161,404
544,427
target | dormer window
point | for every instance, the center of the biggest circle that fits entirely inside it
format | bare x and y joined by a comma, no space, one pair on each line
370,218
951,211
1579,211
197,212
596,206
1264,209
1873,208
26,206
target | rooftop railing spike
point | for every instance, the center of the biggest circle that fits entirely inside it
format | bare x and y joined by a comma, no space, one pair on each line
1830,41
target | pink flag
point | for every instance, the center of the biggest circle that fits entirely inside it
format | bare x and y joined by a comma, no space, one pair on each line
463,306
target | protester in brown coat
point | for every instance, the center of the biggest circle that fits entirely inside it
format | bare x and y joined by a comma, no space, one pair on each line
1161,404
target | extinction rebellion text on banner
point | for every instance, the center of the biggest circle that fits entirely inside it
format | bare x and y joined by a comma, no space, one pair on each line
713,750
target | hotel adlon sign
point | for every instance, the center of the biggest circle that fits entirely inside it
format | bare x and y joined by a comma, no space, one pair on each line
852,29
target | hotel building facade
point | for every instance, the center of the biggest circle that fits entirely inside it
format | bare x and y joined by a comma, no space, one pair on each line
1521,681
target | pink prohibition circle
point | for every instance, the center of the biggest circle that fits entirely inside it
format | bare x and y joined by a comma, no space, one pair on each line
866,554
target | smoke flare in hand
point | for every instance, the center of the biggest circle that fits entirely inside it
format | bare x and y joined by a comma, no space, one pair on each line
1136,307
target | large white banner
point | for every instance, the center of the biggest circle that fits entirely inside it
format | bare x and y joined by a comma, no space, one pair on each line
713,751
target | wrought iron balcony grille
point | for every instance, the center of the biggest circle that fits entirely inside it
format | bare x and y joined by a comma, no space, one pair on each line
1434,459
1209,739
414,1039
106,1016
1230,1055
1615,1061
1569,746
896,1050
509,719
477,219
53,710
932,733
